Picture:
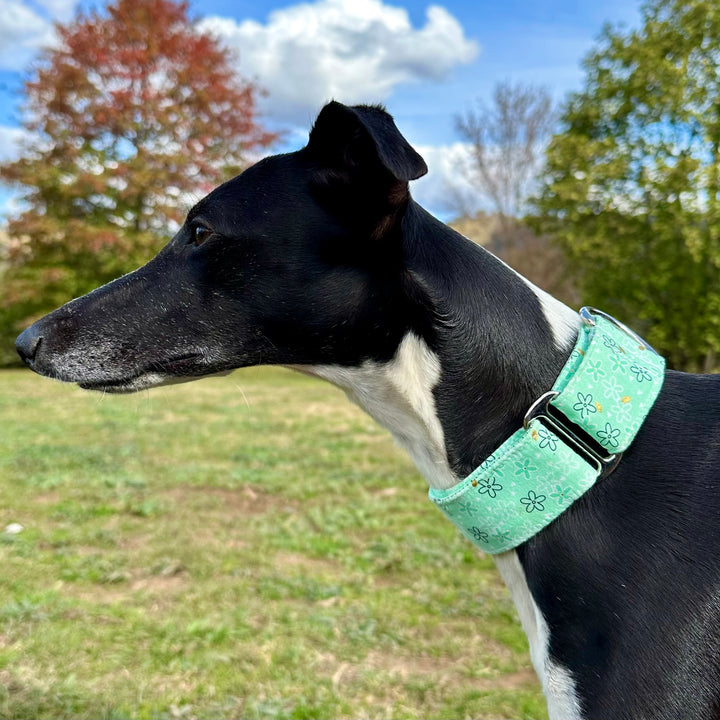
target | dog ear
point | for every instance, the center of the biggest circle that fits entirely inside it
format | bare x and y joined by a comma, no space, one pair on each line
362,162
351,137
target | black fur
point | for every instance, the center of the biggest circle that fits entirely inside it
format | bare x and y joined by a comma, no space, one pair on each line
628,577
494,343
321,257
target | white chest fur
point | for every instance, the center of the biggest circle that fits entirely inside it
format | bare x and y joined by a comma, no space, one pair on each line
557,683
399,396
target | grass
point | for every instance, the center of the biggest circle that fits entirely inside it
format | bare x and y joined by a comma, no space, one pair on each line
252,547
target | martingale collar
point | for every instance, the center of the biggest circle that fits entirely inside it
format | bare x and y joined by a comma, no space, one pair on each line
572,436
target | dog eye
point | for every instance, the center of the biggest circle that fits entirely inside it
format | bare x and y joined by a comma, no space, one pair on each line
201,234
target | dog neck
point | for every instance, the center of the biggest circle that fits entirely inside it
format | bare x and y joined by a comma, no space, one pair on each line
487,344
460,383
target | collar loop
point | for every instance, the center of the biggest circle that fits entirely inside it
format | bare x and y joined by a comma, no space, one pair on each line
571,434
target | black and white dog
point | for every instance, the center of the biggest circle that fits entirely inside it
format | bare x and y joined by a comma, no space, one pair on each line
321,261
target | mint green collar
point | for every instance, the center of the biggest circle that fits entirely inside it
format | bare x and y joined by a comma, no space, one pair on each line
572,436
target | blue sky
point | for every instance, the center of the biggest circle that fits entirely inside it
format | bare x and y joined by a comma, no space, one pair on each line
426,62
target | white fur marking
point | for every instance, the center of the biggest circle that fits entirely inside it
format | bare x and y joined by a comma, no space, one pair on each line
557,683
398,395
564,321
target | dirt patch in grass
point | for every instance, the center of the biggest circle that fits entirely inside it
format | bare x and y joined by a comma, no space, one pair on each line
310,565
441,670
49,497
154,585
159,589
509,681
238,502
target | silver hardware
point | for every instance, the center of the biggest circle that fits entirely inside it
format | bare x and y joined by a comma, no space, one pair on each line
540,410
539,407
586,313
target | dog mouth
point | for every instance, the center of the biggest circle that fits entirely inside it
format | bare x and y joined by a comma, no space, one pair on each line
182,368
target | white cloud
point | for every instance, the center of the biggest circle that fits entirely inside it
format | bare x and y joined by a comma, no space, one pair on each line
350,50
60,10
10,141
22,33
11,205
445,190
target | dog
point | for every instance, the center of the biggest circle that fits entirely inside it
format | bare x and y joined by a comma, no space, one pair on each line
321,261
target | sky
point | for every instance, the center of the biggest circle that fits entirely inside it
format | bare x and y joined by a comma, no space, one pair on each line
425,62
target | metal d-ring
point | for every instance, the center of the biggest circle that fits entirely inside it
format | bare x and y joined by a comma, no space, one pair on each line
587,312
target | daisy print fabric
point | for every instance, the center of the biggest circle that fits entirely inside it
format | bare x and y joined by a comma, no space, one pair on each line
517,491
607,387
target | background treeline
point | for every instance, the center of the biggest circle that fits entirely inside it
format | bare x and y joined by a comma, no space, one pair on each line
611,199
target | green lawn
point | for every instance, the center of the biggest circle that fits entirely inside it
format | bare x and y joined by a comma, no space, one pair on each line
246,547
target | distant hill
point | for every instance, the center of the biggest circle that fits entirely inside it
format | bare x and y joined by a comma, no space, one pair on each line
479,228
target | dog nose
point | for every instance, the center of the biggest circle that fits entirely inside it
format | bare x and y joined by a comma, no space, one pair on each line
27,344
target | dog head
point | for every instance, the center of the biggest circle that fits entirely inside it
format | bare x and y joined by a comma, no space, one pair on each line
296,261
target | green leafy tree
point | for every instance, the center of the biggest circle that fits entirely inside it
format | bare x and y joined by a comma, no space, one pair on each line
132,113
632,186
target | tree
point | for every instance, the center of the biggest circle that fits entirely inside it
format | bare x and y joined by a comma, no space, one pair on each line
633,178
507,141
133,112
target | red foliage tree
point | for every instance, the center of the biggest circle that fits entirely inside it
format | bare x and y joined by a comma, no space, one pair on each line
133,111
